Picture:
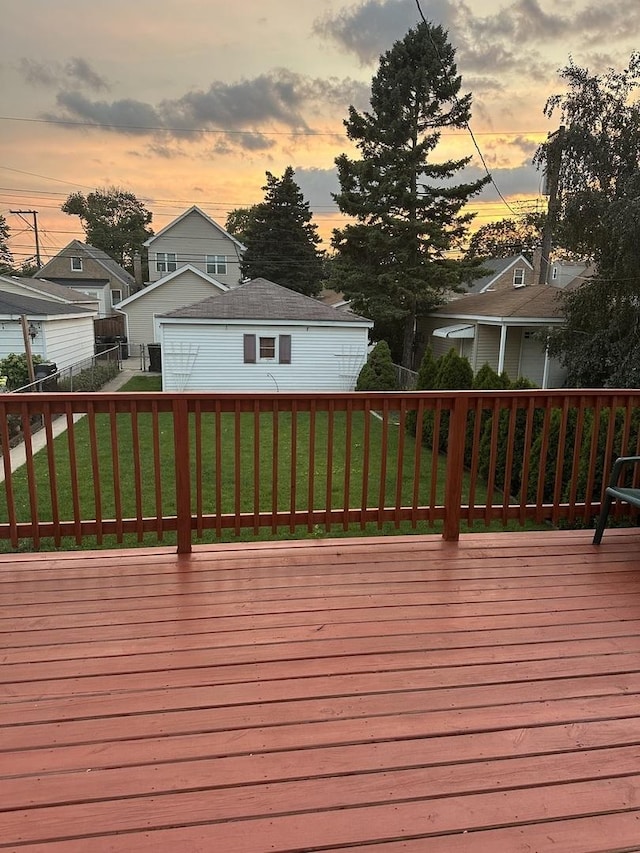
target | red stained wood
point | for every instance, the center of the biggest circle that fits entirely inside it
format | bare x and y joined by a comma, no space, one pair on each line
390,694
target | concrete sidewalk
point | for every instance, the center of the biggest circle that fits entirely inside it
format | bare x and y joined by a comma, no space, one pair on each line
39,438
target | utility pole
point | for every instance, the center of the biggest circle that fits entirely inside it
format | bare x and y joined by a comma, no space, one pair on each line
555,142
33,213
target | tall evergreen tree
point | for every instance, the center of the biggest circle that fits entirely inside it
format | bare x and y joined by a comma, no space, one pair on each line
391,262
281,239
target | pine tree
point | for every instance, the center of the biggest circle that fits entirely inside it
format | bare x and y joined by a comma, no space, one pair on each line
378,372
391,262
281,239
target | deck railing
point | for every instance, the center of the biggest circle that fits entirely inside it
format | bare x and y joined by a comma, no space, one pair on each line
184,467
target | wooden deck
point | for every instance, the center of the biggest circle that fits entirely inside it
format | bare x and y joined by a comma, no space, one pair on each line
397,694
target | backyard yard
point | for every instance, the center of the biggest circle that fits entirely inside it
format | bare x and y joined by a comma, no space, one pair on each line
240,462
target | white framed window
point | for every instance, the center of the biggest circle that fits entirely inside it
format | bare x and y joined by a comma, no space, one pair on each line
261,348
554,273
267,349
518,277
76,264
116,296
216,264
166,262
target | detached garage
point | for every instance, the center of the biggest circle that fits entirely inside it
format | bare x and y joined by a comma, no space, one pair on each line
262,337
60,332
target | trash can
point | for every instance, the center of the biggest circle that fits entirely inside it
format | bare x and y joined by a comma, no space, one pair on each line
155,358
43,372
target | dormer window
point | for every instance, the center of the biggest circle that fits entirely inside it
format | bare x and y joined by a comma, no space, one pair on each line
76,264
518,277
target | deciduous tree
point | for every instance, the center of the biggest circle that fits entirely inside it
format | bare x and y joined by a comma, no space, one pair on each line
507,237
600,220
6,257
281,239
392,261
114,220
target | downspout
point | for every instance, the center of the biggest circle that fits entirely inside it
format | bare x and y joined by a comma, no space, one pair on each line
503,347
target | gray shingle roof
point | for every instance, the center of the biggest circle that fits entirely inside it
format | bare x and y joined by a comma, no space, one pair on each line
14,304
498,266
53,288
260,299
80,248
535,301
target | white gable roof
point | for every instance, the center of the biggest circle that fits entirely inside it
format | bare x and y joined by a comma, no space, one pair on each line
175,274
195,209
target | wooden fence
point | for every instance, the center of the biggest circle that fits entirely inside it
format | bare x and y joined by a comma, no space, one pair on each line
192,465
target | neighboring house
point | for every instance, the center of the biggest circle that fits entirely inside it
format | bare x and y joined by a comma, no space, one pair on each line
41,289
504,328
262,337
184,286
60,332
92,271
505,273
195,240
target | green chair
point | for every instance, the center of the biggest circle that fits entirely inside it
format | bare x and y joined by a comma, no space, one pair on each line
614,492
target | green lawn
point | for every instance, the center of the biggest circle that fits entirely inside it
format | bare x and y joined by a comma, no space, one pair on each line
118,478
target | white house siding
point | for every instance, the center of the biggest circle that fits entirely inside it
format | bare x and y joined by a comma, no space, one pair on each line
67,341
167,297
487,346
191,239
210,357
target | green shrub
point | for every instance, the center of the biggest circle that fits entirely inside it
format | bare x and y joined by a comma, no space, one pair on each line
14,367
378,373
91,379
502,446
425,381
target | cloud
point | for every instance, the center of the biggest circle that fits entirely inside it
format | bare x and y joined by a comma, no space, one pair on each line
239,110
52,74
367,30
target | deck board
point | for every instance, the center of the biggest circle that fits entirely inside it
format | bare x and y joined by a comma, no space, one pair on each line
370,694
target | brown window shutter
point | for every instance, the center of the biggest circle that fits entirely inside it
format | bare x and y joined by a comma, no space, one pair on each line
284,349
249,349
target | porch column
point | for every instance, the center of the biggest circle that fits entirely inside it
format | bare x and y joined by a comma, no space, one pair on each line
545,371
503,347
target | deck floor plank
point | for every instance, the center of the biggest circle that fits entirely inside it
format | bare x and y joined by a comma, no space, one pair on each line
369,694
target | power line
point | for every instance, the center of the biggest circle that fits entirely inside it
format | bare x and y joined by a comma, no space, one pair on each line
235,132
454,98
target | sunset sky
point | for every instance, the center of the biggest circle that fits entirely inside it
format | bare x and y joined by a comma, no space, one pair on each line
190,101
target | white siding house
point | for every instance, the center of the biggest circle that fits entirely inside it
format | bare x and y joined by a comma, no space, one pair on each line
61,333
262,337
194,239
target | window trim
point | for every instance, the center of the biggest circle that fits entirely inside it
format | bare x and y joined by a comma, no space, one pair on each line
252,349
270,343
119,299
215,264
519,277
166,262
76,259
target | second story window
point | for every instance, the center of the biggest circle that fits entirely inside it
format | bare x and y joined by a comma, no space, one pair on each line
518,277
216,264
76,264
166,262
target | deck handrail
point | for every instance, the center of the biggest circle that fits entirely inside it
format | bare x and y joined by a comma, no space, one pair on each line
189,463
